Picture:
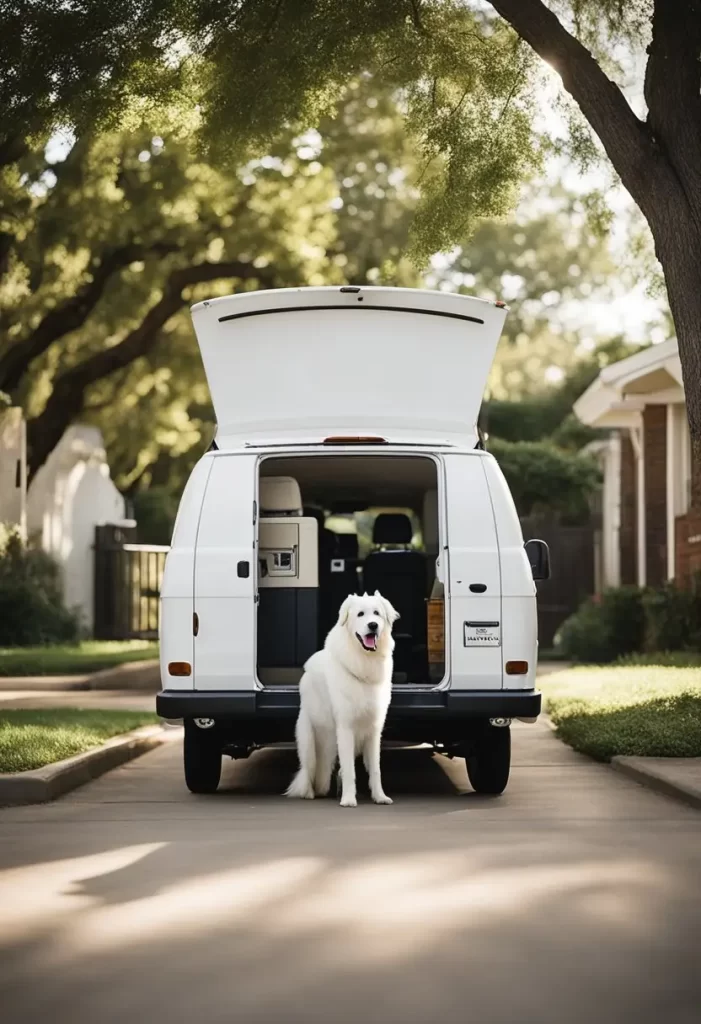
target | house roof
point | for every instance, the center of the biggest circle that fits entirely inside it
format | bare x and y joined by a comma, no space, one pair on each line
623,389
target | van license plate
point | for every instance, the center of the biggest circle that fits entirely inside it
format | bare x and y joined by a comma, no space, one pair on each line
481,634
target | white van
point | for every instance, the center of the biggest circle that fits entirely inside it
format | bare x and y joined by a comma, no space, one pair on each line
348,458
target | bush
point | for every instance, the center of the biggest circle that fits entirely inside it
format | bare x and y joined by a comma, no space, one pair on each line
605,628
543,477
155,510
31,599
673,618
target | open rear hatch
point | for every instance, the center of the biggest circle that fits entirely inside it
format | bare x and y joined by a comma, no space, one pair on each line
305,364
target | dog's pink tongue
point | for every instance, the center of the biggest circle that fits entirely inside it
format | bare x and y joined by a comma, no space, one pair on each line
371,641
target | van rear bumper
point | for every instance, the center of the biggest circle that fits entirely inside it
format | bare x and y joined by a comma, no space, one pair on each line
431,705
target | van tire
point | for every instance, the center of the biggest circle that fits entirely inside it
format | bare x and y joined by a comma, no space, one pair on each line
489,760
202,759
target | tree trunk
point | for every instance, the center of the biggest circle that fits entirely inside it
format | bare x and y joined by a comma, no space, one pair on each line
658,161
678,245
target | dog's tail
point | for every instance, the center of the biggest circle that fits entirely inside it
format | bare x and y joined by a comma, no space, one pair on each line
302,786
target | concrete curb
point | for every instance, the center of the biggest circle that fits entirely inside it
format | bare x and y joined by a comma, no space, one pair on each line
44,784
678,777
134,675
44,684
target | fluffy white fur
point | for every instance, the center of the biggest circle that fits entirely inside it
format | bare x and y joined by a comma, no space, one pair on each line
344,696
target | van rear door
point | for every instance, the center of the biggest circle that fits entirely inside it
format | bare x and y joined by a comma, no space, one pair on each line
303,364
225,577
474,577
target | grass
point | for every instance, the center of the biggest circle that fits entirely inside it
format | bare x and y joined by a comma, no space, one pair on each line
651,711
32,739
666,659
79,659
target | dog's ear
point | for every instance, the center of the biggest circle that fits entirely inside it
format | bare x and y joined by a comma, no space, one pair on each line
391,614
345,610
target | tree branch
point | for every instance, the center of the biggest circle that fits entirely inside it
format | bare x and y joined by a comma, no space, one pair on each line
12,149
68,397
71,314
416,16
673,90
623,135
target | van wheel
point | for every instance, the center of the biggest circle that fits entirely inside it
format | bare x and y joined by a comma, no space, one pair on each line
202,758
489,760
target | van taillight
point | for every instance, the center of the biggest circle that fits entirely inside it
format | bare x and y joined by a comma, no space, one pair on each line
355,440
516,668
179,668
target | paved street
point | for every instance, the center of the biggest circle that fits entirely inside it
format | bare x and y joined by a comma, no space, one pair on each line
573,898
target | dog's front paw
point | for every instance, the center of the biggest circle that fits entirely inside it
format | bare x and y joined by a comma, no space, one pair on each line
349,801
382,798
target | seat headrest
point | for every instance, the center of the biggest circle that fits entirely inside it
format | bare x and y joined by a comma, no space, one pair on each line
280,495
346,545
392,528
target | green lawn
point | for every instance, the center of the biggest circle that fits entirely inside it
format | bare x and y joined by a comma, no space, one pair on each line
649,711
670,659
79,659
32,739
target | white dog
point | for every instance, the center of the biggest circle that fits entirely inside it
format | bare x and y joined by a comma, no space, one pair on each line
345,693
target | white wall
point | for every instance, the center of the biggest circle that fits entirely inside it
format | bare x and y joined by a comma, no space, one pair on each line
13,456
612,513
70,495
607,555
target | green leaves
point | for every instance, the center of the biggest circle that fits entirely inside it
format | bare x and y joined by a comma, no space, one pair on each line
542,477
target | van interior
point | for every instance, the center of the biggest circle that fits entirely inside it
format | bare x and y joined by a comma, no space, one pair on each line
330,526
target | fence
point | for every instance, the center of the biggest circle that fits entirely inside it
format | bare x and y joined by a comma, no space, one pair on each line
572,581
128,579
127,585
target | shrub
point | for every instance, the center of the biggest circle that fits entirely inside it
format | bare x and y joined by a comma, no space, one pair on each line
673,618
605,628
31,599
543,477
155,510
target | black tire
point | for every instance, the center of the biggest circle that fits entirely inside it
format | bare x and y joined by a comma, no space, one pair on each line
202,759
489,760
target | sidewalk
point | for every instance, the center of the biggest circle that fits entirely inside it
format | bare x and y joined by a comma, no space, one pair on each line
134,675
679,777
126,700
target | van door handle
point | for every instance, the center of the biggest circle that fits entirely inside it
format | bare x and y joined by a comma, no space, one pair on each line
243,570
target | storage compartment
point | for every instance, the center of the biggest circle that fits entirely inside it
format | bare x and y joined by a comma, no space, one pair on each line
288,577
349,523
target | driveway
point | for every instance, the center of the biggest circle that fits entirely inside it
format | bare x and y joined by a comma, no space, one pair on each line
573,898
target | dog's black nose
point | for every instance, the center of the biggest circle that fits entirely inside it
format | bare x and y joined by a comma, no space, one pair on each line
372,627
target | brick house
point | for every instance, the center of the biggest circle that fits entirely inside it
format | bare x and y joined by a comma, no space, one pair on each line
648,534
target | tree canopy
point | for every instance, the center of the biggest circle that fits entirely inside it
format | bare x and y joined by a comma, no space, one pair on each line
247,77
118,237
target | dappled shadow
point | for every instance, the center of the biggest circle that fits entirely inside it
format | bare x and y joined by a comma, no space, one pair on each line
250,907
186,928
406,772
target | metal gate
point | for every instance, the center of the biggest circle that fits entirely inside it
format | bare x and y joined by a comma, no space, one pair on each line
127,585
572,581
